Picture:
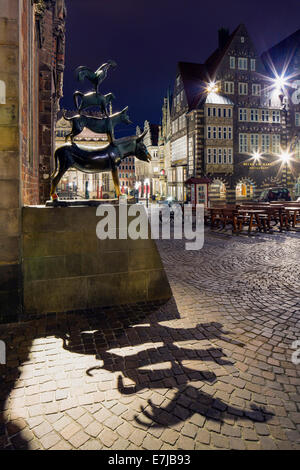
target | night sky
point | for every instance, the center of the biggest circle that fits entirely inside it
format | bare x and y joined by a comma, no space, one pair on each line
148,38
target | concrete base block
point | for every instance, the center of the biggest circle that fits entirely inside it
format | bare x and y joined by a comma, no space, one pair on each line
66,267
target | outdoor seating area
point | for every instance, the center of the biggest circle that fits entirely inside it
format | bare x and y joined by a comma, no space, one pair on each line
254,217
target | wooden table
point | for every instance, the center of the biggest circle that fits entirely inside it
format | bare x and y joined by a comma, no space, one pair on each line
295,209
253,213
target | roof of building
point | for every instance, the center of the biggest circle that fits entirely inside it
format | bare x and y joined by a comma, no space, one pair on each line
214,60
194,77
282,53
215,98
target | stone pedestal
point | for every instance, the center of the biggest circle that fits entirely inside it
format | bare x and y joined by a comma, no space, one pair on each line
66,267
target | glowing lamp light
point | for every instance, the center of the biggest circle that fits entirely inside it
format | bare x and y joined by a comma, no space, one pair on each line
256,156
280,82
212,87
285,157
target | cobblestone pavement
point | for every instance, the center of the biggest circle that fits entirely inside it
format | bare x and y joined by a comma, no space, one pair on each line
211,368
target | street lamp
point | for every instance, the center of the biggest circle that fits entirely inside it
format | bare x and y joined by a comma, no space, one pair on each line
256,156
212,87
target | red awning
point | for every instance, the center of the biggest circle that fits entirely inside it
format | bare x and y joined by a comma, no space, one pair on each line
201,180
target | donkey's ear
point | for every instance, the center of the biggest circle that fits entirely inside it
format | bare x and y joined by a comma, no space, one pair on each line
141,136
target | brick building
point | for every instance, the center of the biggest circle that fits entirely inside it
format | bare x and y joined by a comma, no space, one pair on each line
232,122
32,35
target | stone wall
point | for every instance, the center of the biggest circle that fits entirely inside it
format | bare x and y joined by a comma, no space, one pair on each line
66,267
9,162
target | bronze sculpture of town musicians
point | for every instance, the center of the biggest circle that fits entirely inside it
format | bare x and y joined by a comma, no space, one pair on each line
101,159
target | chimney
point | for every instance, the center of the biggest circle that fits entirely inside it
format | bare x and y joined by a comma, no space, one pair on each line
223,37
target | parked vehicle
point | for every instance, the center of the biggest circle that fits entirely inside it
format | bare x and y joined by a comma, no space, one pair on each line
275,194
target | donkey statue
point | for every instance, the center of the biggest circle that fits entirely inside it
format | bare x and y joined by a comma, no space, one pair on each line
100,125
97,160
93,99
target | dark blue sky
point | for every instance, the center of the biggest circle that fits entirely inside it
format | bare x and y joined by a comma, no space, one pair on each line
148,38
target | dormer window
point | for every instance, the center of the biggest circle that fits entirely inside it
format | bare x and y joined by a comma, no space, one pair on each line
242,39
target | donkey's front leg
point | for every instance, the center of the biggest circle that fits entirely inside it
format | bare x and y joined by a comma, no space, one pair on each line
116,181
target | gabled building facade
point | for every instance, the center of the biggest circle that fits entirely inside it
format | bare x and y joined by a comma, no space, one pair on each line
231,122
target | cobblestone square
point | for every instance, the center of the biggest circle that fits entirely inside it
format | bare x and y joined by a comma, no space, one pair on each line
210,369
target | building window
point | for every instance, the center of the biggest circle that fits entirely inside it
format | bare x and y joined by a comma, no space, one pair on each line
256,89
243,63
232,62
265,115
253,64
208,156
214,132
254,115
214,112
243,143
220,156
229,88
242,39
220,112
265,143
225,133
297,119
254,142
215,155
230,133
276,116
219,132
224,155
230,156
243,88
242,114
276,143
209,132
229,113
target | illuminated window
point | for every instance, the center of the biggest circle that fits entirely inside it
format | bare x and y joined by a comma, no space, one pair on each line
232,62
276,116
265,115
243,143
254,115
276,143
243,63
229,88
220,156
242,114
254,142
265,143
253,64
243,88
256,89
